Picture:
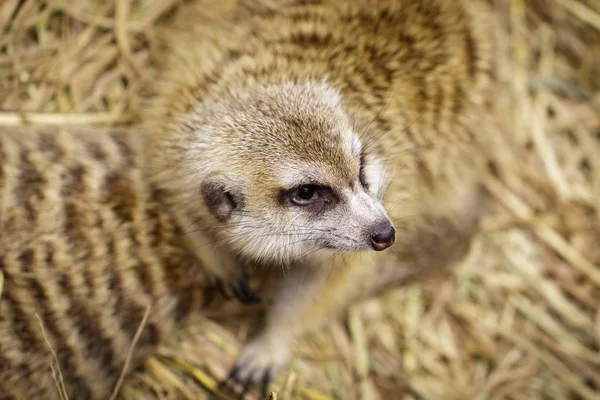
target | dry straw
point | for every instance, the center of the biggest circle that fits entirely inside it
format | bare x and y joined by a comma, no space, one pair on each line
521,317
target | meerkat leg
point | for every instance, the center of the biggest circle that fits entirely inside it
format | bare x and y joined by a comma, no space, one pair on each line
269,350
311,296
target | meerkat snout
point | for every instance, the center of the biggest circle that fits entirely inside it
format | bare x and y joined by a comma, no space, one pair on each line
383,236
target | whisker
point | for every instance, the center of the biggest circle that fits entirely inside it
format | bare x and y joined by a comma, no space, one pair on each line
333,264
386,131
403,218
376,116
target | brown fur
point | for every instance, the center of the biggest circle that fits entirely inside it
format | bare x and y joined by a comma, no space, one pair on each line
86,245
416,78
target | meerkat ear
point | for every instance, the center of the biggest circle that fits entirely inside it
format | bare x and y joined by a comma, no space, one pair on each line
220,201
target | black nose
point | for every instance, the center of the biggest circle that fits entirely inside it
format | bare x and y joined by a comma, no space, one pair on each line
384,236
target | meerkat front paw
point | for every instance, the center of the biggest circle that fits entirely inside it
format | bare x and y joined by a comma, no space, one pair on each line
260,360
240,289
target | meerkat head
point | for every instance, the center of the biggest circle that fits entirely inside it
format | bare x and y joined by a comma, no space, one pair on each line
275,172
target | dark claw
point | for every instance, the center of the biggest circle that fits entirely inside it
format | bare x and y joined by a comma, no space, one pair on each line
249,294
246,388
266,379
233,376
221,288
241,290
236,294
232,381
241,294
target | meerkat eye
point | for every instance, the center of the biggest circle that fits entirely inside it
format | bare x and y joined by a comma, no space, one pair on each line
305,195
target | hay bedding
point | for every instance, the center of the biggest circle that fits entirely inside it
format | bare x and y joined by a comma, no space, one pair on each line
521,317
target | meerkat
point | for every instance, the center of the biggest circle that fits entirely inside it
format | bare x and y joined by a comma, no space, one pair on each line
297,135
340,143
86,251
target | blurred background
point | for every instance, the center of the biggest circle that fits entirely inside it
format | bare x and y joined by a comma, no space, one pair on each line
519,318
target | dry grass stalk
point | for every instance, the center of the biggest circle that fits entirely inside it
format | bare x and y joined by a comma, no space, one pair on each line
581,11
16,119
54,365
136,337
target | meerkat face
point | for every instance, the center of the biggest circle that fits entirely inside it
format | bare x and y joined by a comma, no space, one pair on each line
287,174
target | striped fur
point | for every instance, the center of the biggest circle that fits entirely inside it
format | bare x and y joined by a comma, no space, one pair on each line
86,247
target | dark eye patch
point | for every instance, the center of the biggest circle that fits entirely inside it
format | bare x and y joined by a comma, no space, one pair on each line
311,197
305,195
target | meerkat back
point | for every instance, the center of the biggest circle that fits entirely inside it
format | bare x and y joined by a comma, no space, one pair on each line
86,252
